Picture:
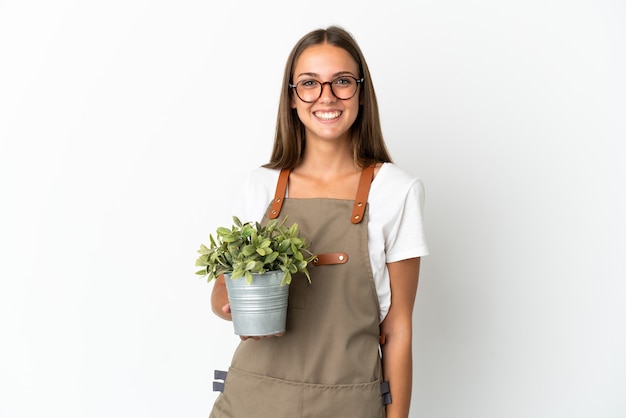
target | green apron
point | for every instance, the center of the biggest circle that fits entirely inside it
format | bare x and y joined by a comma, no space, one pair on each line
328,362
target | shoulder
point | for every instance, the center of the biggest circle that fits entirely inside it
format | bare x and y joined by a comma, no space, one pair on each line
258,182
396,205
262,176
394,183
394,192
396,200
256,189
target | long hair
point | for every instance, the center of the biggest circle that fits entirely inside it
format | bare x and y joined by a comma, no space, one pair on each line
366,134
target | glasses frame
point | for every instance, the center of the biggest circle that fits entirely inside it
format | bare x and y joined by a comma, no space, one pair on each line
358,81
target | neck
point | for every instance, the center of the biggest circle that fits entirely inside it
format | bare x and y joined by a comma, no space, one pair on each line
327,164
328,157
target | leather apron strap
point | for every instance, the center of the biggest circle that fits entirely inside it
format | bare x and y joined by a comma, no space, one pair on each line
367,175
281,191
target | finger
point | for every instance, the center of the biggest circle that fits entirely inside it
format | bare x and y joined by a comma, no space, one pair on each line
246,337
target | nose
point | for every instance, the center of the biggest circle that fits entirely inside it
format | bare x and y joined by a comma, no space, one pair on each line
327,93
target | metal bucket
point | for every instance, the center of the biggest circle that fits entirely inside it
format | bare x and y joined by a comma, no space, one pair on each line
259,308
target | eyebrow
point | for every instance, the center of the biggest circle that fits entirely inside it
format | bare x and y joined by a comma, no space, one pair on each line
339,74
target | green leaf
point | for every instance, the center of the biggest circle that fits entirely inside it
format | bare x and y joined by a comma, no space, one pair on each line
284,245
248,250
230,238
286,278
271,257
221,231
247,231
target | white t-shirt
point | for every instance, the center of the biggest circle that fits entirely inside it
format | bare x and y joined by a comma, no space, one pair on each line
395,228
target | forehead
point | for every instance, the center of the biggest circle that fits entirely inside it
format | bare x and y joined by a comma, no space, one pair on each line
324,60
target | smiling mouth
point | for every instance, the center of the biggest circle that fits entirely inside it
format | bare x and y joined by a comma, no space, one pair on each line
327,115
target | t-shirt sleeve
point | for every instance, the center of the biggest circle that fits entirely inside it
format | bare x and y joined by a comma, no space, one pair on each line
240,207
253,195
405,237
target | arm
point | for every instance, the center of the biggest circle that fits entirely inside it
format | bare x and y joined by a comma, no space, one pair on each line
398,330
219,299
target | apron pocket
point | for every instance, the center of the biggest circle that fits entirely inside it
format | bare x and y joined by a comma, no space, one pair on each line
254,396
251,395
359,400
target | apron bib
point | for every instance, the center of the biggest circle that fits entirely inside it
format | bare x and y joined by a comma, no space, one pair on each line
328,363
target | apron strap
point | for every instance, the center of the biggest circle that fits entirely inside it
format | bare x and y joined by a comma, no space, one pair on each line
367,175
330,259
385,392
279,196
219,375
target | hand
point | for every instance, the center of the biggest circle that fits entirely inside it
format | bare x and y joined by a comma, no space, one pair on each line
256,338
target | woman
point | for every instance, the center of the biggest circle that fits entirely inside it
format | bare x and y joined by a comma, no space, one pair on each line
362,214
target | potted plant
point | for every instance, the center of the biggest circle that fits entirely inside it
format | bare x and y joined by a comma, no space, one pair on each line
258,262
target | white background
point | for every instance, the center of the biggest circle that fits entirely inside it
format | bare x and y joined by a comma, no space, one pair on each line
123,125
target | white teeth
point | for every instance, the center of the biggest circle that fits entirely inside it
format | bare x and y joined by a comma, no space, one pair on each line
327,115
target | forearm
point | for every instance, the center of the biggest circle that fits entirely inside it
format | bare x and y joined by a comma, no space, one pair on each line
398,371
219,299
398,330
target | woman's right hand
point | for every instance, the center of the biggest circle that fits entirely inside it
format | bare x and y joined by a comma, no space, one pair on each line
256,338
219,299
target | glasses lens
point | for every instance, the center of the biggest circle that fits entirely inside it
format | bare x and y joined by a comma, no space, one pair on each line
344,87
309,90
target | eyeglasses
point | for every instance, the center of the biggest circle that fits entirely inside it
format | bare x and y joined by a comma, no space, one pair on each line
310,90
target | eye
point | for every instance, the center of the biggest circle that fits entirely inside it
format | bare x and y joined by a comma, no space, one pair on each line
308,84
343,82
